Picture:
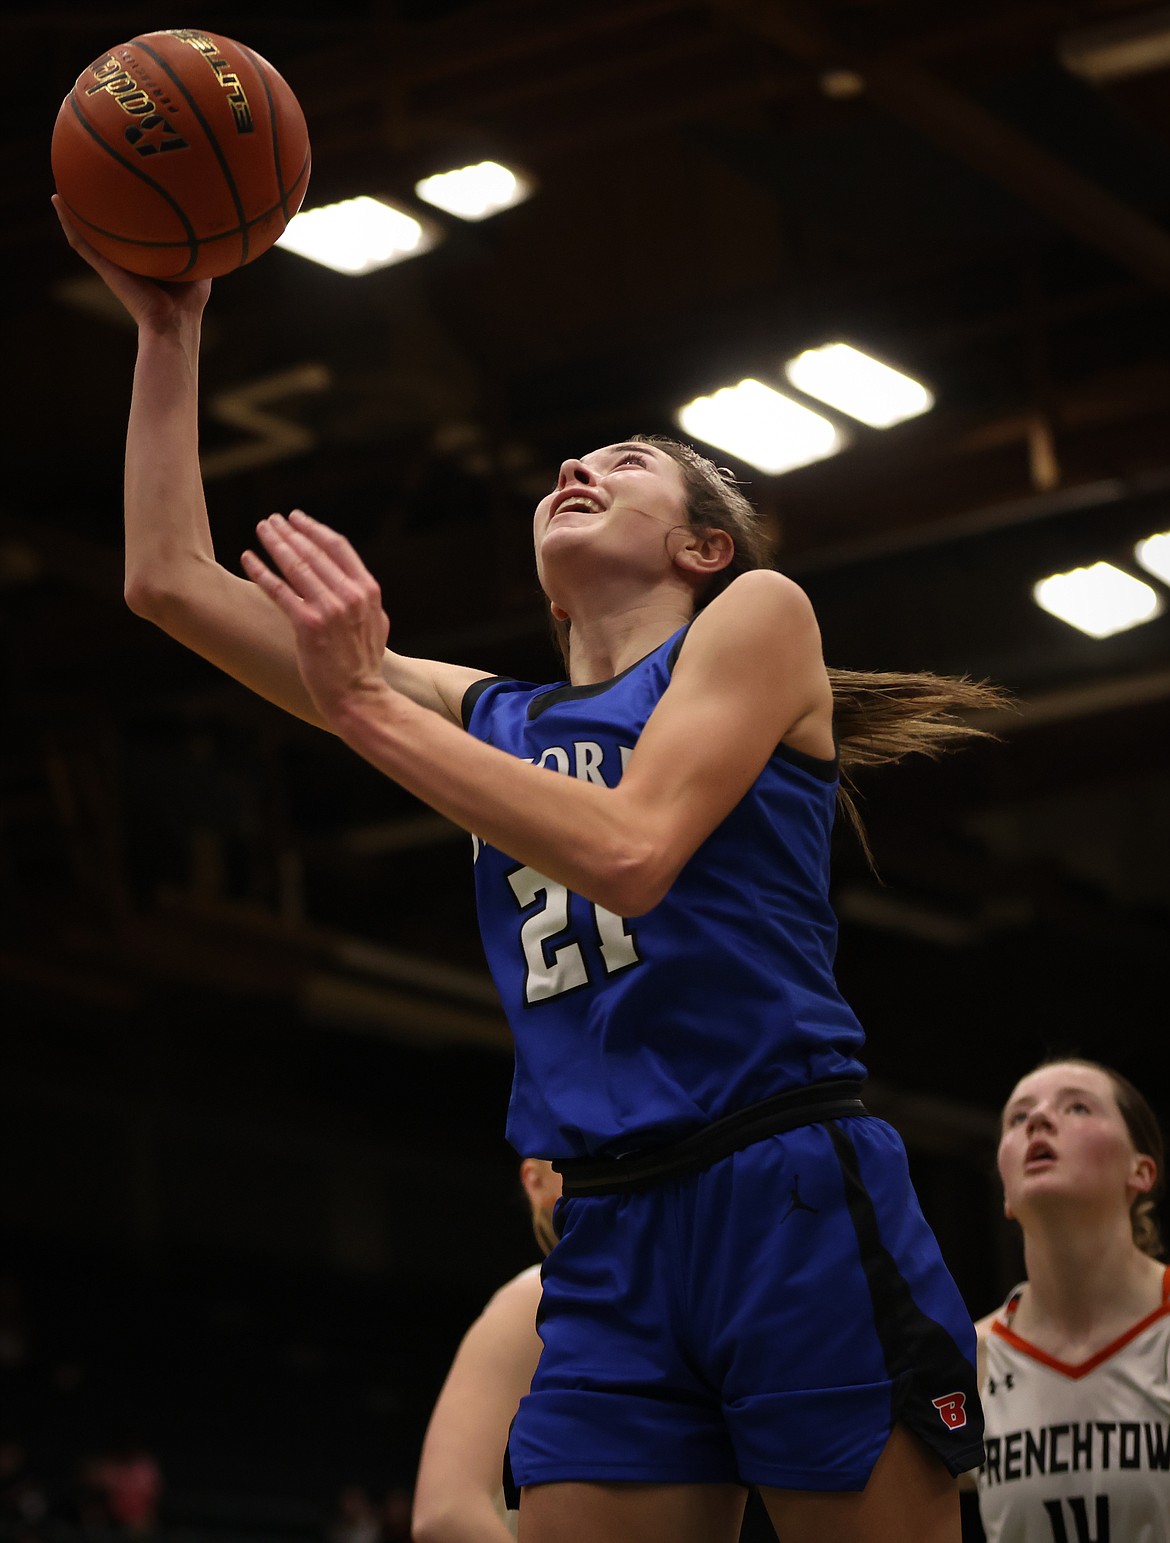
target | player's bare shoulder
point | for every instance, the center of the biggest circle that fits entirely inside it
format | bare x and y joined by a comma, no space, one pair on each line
758,609
766,590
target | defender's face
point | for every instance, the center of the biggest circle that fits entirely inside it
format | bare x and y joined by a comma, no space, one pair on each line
1065,1139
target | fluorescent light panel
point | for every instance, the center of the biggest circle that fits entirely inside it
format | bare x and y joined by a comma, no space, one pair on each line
357,236
762,427
1154,555
854,383
1099,600
474,192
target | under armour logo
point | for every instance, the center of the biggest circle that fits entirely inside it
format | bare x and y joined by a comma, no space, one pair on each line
1009,1382
952,1410
795,1203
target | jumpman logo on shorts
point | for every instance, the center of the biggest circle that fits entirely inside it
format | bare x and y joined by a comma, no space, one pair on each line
795,1203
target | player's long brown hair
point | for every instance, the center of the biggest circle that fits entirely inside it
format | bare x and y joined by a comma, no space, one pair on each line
878,716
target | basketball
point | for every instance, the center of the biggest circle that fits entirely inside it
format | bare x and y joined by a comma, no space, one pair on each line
181,154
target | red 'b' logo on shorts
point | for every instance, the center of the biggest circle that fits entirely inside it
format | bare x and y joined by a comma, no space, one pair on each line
952,1410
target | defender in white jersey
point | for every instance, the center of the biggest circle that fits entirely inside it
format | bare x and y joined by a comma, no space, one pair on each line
1077,1452
1074,1368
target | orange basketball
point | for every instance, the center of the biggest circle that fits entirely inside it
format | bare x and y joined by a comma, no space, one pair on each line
181,154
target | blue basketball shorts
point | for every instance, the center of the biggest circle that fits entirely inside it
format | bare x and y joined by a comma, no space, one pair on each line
764,1321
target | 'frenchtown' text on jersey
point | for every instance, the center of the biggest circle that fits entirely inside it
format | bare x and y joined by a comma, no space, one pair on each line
1078,1454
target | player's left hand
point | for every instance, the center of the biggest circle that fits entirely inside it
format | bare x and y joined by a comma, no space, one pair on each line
334,605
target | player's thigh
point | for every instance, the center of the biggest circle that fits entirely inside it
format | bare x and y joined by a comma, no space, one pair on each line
910,1498
631,1513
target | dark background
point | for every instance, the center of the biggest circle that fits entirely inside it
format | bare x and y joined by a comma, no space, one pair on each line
253,1180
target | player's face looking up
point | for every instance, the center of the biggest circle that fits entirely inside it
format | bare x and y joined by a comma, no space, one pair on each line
1063,1139
622,508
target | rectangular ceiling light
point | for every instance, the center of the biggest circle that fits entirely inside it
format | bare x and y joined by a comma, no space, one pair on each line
1154,555
1100,600
762,427
856,384
474,192
357,236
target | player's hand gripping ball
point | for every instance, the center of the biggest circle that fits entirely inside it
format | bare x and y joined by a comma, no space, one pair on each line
181,154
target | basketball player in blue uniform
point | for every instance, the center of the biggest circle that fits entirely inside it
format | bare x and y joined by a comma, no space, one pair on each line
744,1290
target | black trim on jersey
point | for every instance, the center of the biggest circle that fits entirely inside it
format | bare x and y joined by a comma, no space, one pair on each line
922,1359
570,693
672,657
556,694
815,765
472,695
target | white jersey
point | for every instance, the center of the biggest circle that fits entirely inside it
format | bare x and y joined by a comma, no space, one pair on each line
1078,1453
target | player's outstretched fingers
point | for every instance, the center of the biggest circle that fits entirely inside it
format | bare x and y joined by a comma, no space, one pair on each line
303,559
339,548
294,555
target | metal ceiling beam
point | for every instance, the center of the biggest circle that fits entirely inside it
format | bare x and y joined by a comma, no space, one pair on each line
1000,152
972,134
1001,515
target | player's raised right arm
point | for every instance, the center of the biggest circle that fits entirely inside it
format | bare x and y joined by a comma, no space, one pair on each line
173,578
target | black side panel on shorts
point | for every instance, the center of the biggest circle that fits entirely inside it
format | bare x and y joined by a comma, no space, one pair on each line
510,1487
922,1359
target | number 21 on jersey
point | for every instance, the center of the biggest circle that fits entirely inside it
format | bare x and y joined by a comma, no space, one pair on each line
555,967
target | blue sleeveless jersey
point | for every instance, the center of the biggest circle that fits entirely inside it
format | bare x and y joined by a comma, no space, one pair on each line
630,1033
